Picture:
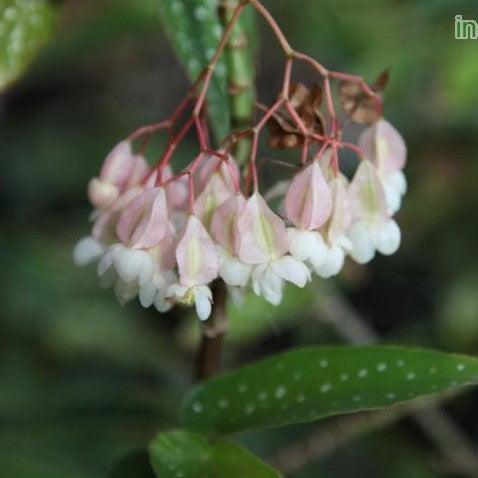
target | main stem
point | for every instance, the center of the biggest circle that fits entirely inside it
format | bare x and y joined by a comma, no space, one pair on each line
213,330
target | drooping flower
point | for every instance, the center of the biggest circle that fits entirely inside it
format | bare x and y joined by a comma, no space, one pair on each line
232,270
141,226
308,205
383,145
372,228
262,241
121,170
197,265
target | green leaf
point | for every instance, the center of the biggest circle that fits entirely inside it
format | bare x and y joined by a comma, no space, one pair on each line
194,30
306,384
188,455
25,25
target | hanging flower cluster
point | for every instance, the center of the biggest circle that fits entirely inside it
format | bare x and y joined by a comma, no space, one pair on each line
165,236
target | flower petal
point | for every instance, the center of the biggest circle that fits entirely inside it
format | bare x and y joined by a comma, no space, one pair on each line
384,146
333,263
363,248
367,197
261,234
387,237
203,303
196,255
87,250
308,202
291,270
144,221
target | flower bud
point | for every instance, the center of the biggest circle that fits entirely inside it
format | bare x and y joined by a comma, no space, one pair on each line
121,170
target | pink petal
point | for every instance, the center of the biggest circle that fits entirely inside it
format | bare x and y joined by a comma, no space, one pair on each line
384,146
341,217
223,222
118,165
177,191
104,228
367,196
212,196
144,221
261,234
196,255
139,170
101,194
211,164
308,202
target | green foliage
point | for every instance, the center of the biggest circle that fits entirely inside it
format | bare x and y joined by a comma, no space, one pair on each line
194,30
188,455
306,384
25,25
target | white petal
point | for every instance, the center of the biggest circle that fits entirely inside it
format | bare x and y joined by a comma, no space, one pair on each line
147,294
267,284
333,263
387,238
363,249
393,197
161,303
291,270
87,250
303,245
105,263
399,181
147,269
128,263
203,304
232,270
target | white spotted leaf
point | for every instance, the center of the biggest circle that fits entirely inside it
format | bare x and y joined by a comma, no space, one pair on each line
182,454
194,30
306,384
25,25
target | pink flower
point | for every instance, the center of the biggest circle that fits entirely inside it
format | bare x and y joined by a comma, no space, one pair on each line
383,145
372,228
261,234
223,228
121,170
144,221
198,266
336,242
308,202
261,240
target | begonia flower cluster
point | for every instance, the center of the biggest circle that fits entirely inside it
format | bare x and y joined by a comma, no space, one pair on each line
164,238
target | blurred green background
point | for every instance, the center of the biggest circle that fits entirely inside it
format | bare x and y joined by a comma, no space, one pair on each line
84,381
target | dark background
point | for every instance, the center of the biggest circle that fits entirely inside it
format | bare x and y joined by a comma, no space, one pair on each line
83,380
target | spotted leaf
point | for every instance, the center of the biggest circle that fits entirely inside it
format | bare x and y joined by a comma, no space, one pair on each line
194,30
182,454
25,25
306,384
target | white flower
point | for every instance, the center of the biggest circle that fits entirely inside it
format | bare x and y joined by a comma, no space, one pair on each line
200,295
366,237
132,264
268,278
87,250
232,271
